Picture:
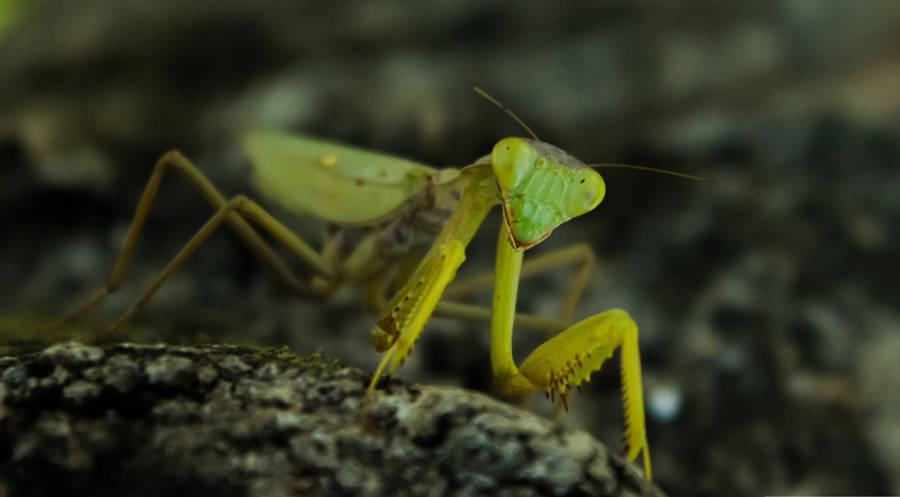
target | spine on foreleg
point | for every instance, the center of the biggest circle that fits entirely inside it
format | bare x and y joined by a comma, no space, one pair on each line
409,310
635,435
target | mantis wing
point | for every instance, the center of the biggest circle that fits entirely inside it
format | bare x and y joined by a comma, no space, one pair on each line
335,182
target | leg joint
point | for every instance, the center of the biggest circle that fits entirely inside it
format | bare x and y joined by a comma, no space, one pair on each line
171,158
237,202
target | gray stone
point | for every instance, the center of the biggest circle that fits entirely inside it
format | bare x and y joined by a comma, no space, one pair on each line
261,436
171,371
73,354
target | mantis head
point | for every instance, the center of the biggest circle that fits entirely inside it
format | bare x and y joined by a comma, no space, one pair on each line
541,187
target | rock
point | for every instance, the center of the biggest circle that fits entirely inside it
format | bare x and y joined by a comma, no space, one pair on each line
228,420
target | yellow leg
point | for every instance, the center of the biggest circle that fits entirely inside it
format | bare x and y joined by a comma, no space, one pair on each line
401,323
479,314
375,288
404,316
259,247
238,204
566,360
580,254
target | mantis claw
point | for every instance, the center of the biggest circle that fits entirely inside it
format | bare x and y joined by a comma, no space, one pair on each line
568,359
399,327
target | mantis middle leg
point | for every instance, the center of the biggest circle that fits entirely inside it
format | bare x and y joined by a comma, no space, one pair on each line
579,254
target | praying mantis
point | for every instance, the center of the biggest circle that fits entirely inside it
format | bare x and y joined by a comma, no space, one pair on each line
395,208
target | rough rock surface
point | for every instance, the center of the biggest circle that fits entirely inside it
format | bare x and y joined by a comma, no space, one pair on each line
225,420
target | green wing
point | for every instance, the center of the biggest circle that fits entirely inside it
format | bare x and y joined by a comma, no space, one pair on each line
335,182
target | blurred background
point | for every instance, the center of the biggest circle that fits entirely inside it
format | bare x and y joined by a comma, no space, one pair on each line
767,299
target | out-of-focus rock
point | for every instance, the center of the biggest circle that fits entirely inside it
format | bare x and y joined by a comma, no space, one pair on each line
268,422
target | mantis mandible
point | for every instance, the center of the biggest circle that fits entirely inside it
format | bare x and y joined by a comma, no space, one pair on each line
395,207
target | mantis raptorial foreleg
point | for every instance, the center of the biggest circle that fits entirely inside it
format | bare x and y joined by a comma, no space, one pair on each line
399,325
570,357
404,316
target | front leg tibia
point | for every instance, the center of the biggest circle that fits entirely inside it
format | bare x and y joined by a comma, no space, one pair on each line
404,316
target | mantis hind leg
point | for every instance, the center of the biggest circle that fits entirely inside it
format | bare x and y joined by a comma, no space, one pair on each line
258,246
238,204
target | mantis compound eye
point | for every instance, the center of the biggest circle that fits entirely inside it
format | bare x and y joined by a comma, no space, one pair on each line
587,191
512,159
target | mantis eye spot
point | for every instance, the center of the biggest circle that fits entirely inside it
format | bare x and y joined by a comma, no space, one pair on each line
582,181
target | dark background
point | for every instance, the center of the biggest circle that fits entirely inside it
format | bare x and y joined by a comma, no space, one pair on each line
767,299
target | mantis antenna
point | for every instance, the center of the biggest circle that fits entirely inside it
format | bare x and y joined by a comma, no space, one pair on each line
512,114
651,170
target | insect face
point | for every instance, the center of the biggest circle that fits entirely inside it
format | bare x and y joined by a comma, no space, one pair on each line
541,187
